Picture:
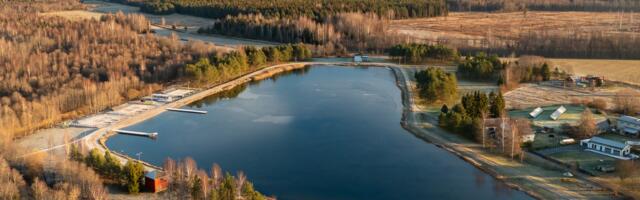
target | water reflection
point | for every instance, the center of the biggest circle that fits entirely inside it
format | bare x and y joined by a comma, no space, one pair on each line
316,133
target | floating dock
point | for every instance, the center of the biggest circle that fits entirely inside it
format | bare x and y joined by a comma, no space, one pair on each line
187,110
137,133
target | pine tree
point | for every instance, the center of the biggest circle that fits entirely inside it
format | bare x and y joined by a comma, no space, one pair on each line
132,175
498,106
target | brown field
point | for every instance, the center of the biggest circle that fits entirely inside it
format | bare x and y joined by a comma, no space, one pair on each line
478,25
627,71
75,14
534,95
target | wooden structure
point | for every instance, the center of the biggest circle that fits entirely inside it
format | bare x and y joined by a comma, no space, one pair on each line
155,181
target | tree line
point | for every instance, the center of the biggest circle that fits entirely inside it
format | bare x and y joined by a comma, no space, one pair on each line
185,179
318,10
335,34
229,65
420,53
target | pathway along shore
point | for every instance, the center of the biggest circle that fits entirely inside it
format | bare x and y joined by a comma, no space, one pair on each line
539,182
535,176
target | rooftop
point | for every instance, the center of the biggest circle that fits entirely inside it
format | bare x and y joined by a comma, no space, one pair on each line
611,143
629,119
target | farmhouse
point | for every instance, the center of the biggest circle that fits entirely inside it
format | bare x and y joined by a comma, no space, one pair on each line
499,129
608,147
155,181
628,125
585,81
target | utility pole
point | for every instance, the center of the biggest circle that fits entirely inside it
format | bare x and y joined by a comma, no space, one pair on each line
139,154
502,127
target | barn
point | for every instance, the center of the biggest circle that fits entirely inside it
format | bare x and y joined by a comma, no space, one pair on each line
155,181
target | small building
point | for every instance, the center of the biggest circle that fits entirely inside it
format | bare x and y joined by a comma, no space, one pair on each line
155,181
535,112
604,126
556,115
358,58
528,137
628,125
608,147
164,98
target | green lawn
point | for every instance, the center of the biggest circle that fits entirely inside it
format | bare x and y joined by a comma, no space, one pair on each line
586,160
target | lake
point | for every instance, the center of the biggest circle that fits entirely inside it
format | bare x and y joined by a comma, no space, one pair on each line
324,132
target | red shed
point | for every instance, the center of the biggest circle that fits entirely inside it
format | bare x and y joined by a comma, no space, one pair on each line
155,181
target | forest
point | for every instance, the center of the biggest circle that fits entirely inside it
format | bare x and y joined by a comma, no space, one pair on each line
419,53
54,69
543,5
339,33
317,10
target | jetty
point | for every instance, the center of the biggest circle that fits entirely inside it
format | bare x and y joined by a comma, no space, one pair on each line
137,133
187,110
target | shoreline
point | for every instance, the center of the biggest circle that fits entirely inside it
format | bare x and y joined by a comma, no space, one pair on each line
534,186
402,84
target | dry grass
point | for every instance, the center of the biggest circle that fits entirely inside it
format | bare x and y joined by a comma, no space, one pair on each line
75,15
620,70
532,95
478,25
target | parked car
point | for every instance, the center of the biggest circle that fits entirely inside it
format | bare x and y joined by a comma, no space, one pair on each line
605,168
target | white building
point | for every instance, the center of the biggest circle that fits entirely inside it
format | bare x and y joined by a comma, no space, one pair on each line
162,98
535,112
358,58
608,147
628,125
556,115
528,138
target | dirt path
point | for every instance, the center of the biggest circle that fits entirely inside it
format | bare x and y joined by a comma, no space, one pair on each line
539,182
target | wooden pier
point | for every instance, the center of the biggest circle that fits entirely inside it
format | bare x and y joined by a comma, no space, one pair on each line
187,110
137,133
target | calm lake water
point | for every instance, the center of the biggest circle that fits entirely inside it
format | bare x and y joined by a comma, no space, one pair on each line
319,133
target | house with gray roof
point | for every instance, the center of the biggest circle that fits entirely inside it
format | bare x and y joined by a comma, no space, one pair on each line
628,125
607,147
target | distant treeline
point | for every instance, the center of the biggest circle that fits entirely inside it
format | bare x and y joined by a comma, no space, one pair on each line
318,10
232,64
544,5
363,32
419,53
